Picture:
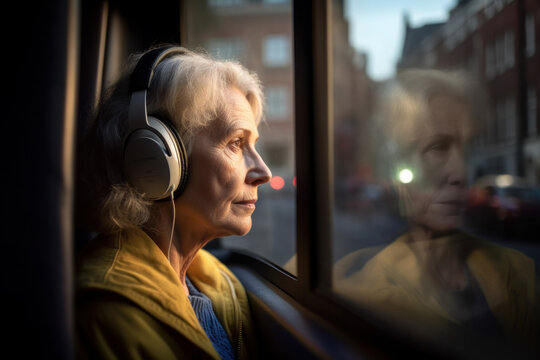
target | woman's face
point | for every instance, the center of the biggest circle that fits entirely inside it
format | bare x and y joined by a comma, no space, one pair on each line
225,171
437,194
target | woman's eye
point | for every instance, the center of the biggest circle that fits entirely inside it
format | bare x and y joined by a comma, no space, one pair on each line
440,146
236,144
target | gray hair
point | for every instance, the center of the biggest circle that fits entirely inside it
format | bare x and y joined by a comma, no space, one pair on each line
190,91
403,105
405,100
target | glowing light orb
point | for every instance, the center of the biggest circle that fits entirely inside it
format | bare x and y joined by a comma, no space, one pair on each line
406,176
277,183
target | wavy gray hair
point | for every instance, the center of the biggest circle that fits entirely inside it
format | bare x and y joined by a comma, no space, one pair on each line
190,91
403,106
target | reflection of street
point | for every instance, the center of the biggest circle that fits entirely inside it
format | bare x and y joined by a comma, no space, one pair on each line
273,235
353,232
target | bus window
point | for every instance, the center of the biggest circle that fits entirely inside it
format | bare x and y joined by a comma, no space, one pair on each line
437,165
259,35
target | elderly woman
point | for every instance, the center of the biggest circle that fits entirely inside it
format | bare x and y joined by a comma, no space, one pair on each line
435,274
168,164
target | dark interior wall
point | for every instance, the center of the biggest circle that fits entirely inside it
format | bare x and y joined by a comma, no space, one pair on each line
110,31
42,83
51,59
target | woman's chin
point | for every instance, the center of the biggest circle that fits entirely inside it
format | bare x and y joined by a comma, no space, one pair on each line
240,229
440,224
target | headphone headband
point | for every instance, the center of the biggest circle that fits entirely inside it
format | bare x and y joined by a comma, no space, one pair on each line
143,73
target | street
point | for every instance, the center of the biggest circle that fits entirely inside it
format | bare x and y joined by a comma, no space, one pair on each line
273,234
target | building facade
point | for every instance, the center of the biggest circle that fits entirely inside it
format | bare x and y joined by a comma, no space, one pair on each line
496,41
258,34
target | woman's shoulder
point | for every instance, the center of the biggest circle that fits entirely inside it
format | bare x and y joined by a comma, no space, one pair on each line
110,326
492,252
106,313
355,261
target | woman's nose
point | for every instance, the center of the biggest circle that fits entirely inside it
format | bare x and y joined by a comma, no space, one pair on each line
456,168
258,173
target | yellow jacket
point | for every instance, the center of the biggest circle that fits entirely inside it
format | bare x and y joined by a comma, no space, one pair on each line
394,283
130,303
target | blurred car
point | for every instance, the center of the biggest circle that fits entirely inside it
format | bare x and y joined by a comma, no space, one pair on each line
504,204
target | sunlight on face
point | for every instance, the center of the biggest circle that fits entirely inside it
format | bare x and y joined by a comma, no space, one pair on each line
225,172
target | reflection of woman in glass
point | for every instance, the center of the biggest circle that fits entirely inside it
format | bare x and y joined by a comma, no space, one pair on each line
435,272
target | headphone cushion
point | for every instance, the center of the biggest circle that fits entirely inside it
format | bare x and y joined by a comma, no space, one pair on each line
152,162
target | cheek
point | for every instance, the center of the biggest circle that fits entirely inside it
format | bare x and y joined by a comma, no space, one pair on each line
425,210
420,199
220,182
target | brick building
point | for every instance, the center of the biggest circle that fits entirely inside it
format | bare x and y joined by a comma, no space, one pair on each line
259,35
353,93
498,42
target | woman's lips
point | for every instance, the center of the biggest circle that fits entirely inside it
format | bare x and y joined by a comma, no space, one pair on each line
452,202
247,203
453,207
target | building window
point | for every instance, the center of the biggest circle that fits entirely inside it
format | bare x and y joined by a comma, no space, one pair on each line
529,35
225,2
490,61
277,103
500,55
499,131
489,11
276,155
505,115
227,49
276,51
509,49
510,118
472,24
532,110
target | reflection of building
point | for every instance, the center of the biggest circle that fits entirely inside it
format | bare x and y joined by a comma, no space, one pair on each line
498,41
259,35
352,103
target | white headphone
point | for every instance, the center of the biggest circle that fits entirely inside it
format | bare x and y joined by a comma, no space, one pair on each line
155,160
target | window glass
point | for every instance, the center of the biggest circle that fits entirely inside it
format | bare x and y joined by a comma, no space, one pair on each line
258,34
230,49
437,166
276,50
278,103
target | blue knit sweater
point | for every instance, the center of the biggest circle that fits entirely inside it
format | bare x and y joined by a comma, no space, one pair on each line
209,322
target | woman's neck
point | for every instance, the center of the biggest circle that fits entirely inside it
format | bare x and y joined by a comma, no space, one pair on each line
440,257
181,246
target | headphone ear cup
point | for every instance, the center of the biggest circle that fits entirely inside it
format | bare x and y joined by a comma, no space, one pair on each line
152,163
182,159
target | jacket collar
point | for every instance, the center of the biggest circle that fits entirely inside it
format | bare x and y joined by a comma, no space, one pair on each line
133,266
501,274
